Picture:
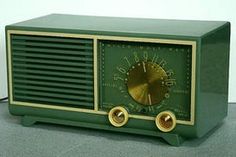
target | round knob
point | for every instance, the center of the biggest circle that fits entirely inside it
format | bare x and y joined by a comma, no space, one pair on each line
118,116
145,82
165,121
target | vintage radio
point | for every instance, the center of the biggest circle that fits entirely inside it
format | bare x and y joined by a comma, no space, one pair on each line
163,78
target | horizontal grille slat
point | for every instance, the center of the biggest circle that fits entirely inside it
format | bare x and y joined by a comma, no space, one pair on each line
52,39
53,84
21,53
57,90
56,95
52,73
58,79
53,51
50,101
56,62
51,67
50,45
53,70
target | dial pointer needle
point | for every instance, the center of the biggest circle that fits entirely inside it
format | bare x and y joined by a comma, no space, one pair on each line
149,99
144,68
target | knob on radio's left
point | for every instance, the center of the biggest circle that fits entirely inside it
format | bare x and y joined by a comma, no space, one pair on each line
118,116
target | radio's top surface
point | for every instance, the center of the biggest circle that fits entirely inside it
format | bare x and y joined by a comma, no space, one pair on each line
119,26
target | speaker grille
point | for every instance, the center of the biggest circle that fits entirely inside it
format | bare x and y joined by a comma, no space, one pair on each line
52,70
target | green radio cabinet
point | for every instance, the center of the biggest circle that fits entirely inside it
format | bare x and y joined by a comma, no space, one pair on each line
161,78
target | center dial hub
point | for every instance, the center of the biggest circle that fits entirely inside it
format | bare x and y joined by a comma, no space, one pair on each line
146,83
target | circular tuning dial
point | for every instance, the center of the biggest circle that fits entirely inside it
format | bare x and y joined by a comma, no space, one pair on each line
146,83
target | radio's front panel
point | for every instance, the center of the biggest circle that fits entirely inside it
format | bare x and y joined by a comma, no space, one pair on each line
122,77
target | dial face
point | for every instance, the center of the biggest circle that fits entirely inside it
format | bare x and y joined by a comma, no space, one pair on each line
146,83
146,78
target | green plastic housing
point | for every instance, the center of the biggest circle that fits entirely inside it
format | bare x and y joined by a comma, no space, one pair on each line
210,100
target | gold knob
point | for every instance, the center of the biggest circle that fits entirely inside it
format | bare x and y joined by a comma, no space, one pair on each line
118,116
146,83
165,121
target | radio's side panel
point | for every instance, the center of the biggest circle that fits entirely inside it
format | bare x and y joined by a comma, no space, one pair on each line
214,72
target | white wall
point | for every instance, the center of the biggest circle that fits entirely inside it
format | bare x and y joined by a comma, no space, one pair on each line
14,11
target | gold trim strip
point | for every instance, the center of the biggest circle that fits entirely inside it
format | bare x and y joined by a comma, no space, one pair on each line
141,117
102,37
184,122
95,39
95,69
193,82
9,66
19,103
151,40
153,119
58,107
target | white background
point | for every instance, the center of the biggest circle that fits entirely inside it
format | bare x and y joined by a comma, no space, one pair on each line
15,11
